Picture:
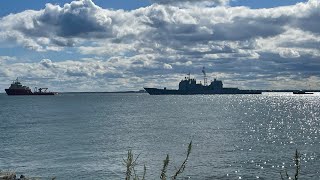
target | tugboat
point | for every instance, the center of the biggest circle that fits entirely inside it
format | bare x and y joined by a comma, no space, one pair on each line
16,88
189,86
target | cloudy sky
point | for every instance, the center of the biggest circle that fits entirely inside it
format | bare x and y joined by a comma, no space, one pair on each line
99,45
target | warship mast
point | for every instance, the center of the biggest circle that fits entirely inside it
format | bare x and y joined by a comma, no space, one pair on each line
204,76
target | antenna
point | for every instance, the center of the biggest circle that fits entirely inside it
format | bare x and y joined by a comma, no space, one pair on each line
204,76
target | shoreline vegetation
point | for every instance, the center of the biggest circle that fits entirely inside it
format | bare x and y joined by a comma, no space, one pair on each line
131,163
297,165
131,173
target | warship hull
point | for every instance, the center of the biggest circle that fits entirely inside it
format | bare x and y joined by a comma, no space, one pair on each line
155,91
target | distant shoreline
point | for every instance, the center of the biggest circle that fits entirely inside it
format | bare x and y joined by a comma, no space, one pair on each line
89,92
143,91
114,92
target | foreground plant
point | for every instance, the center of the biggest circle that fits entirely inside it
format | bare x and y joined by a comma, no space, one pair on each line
130,164
184,163
297,164
9,175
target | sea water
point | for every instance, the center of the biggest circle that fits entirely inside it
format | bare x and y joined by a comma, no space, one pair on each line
87,136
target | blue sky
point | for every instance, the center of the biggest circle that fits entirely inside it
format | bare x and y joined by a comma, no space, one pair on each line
264,3
98,45
15,6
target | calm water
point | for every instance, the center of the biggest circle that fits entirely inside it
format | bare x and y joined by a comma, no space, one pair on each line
86,136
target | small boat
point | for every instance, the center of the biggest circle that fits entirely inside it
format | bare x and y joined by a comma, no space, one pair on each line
302,92
16,88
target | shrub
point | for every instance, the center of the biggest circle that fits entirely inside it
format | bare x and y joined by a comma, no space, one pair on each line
131,162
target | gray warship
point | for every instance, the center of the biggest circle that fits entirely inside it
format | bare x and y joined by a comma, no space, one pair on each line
189,86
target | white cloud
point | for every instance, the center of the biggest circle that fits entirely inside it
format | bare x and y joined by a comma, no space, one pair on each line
163,37
289,53
167,66
7,58
204,2
82,21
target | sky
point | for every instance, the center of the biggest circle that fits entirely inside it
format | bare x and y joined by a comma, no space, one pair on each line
120,45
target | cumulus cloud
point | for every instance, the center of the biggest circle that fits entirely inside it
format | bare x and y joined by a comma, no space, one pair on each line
163,38
98,75
47,63
289,53
82,21
7,58
79,18
205,2
167,66
57,26
308,21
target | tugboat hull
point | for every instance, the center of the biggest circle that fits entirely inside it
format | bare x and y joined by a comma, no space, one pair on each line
13,92
45,93
22,92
